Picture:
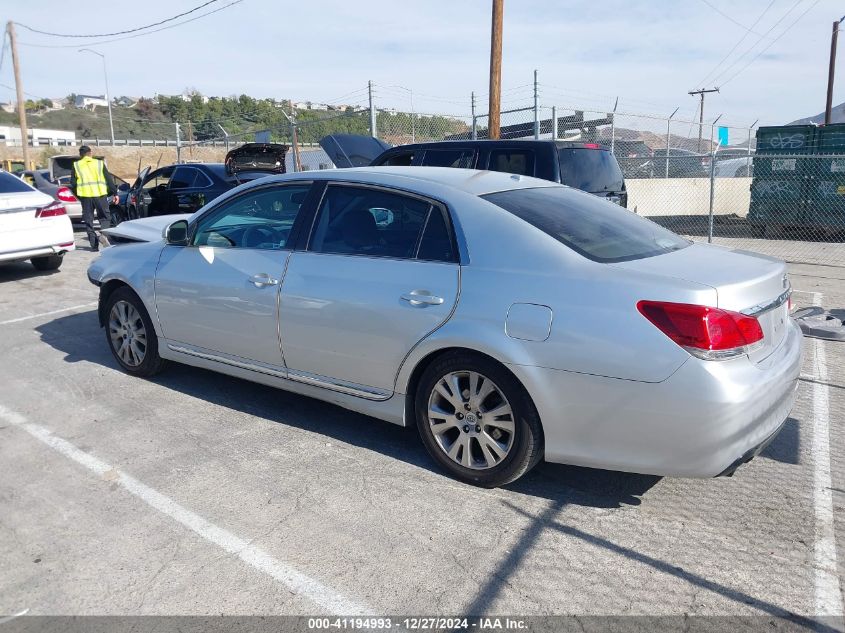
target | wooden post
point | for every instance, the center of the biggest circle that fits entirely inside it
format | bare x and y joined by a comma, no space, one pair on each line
13,43
494,119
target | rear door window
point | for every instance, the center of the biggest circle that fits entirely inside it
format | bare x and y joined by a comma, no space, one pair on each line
369,222
12,184
403,159
593,170
512,161
464,158
594,228
183,177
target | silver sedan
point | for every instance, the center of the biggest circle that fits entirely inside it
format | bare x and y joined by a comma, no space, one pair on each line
510,319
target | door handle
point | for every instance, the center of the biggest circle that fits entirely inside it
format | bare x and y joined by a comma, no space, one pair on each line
422,298
262,280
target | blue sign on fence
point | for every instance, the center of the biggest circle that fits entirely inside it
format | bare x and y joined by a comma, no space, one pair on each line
723,136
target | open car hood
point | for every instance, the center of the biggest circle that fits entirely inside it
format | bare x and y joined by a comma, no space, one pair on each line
352,150
264,157
143,230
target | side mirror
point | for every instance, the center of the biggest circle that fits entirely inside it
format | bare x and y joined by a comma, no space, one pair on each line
176,234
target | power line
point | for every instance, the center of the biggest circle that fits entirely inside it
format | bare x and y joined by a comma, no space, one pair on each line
129,37
140,28
735,46
753,46
727,17
757,56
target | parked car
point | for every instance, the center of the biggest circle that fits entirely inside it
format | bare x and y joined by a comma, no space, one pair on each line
33,225
635,158
40,179
682,163
184,188
586,166
59,175
584,334
734,167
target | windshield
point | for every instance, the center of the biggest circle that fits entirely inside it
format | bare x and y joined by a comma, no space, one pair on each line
591,170
597,229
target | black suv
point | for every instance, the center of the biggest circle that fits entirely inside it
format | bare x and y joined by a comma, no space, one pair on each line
586,166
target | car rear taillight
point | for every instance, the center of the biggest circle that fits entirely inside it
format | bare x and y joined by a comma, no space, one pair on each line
65,195
592,146
132,198
51,210
705,332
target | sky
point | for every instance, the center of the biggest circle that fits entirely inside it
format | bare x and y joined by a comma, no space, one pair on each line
648,53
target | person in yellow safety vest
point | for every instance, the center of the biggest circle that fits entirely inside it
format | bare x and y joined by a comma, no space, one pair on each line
92,183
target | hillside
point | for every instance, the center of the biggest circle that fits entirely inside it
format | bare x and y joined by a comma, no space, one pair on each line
837,115
201,119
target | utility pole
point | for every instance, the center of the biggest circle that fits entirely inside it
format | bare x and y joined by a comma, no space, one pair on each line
373,131
16,63
701,93
178,144
494,116
831,70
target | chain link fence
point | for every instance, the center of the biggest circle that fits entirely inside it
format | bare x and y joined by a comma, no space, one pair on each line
787,206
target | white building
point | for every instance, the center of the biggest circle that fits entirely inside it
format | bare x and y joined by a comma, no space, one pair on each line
38,137
89,101
308,105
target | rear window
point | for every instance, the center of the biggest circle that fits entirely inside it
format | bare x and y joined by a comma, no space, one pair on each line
591,170
12,184
598,230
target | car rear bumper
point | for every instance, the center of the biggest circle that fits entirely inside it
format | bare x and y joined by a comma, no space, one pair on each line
43,251
704,420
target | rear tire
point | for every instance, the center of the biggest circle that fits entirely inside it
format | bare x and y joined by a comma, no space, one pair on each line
477,421
115,215
48,262
130,334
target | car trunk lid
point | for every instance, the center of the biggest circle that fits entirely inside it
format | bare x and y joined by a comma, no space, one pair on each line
744,282
263,157
352,150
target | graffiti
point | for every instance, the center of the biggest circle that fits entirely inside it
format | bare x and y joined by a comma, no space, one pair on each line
784,164
775,188
787,141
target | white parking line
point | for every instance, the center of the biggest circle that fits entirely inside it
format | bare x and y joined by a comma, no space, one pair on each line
43,314
828,594
297,582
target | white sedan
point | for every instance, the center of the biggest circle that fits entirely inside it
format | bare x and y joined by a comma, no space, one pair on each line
33,225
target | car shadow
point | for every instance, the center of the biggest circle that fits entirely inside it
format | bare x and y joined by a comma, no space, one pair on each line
22,270
79,337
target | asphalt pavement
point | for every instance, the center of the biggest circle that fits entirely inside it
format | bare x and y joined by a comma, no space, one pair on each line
197,493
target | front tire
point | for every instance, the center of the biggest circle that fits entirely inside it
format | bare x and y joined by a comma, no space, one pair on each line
477,421
48,262
130,334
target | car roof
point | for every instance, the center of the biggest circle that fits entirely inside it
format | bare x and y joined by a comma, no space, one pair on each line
494,142
472,181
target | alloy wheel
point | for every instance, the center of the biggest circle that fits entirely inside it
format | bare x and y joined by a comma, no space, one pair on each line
471,420
127,333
